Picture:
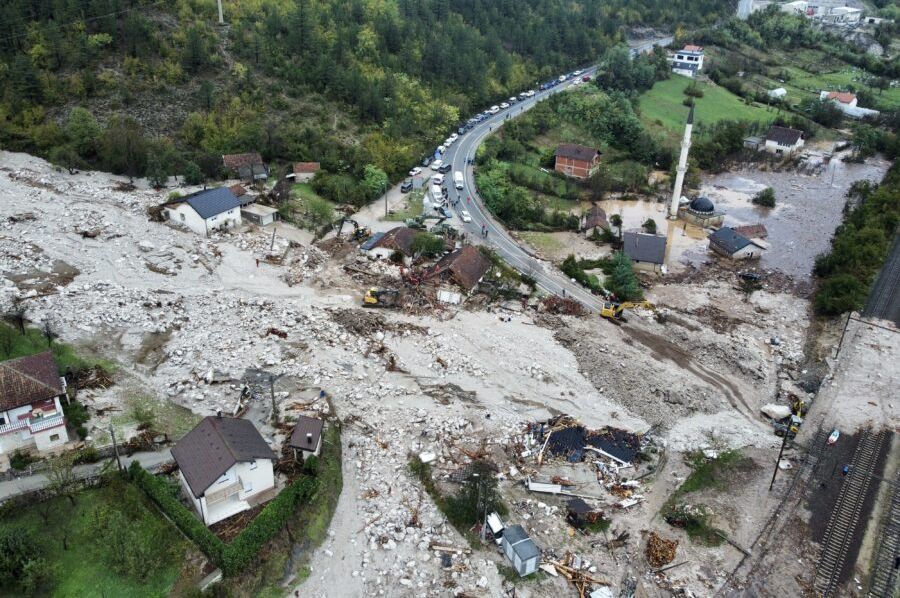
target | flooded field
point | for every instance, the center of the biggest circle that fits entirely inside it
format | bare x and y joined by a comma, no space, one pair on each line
807,210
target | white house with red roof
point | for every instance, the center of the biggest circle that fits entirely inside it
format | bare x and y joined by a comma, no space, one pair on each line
847,103
31,415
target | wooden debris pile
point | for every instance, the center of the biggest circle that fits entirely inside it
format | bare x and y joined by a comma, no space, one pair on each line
660,551
559,305
583,580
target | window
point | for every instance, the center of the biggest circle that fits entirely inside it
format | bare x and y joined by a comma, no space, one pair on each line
54,437
182,217
2,420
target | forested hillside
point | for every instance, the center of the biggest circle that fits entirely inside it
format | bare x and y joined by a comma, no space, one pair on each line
345,82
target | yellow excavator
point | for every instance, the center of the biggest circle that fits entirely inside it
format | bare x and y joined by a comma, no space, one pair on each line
376,297
613,311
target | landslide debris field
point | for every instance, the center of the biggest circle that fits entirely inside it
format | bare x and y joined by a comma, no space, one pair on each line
184,317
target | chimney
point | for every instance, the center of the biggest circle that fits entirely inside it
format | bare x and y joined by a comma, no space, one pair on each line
309,438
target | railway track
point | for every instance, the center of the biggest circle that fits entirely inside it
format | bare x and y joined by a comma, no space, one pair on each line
846,513
883,582
883,299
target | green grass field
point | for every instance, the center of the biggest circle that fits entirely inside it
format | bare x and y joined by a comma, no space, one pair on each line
84,569
662,109
413,207
14,345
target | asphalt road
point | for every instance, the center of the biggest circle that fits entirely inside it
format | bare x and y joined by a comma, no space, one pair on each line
548,278
884,298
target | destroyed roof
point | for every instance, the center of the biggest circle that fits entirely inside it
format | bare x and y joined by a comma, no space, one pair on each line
214,446
595,217
209,202
521,543
306,167
729,239
578,506
306,433
692,48
399,238
238,160
642,247
371,241
784,135
238,190
466,264
576,152
29,379
570,441
752,231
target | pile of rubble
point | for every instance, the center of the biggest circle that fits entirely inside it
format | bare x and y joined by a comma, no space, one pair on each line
660,551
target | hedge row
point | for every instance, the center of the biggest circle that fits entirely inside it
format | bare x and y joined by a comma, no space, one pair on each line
157,489
237,555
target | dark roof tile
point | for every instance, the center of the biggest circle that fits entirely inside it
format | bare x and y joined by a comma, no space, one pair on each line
576,152
306,425
641,247
213,446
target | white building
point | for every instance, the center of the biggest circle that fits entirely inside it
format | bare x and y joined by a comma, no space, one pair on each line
688,61
225,467
843,15
521,550
798,7
777,93
847,101
205,211
782,140
31,415
728,242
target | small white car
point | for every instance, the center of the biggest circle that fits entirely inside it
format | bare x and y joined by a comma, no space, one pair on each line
513,100
578,72
454,137
530,93
448,142
437,179
436,164
504,106
562,78
415,171
464,216
441,149
494,109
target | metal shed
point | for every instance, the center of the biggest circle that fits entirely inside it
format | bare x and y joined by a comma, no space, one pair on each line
522,552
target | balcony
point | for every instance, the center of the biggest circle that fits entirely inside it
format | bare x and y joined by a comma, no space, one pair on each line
13,426
45,423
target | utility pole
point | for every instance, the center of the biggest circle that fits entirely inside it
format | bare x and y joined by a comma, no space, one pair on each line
272,396
384,191
787,433
112,432
221,17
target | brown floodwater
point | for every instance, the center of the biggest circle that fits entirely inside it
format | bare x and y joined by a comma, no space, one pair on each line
808,208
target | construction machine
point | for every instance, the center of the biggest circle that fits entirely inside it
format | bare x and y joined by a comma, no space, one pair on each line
360,233
613,311
376,297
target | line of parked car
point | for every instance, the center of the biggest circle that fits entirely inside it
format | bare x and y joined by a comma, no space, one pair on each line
438,164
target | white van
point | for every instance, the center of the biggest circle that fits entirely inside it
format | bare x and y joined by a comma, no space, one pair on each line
436,164
458,180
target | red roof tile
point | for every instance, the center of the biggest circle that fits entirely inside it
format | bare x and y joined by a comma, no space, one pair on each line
29,379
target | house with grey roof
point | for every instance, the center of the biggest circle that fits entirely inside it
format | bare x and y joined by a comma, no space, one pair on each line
783,140
225,467
728,242
306,438
647,252
205,211
521,550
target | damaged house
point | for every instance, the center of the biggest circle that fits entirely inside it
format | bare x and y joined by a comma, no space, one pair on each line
397,240
225,467
465,266
247,167
306,438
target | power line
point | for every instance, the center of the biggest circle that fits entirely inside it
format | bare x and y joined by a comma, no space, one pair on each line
87,20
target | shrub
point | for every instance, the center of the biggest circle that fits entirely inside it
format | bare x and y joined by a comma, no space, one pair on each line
19,460
77,416
22,566
622,281
693,91
649,226
765,198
